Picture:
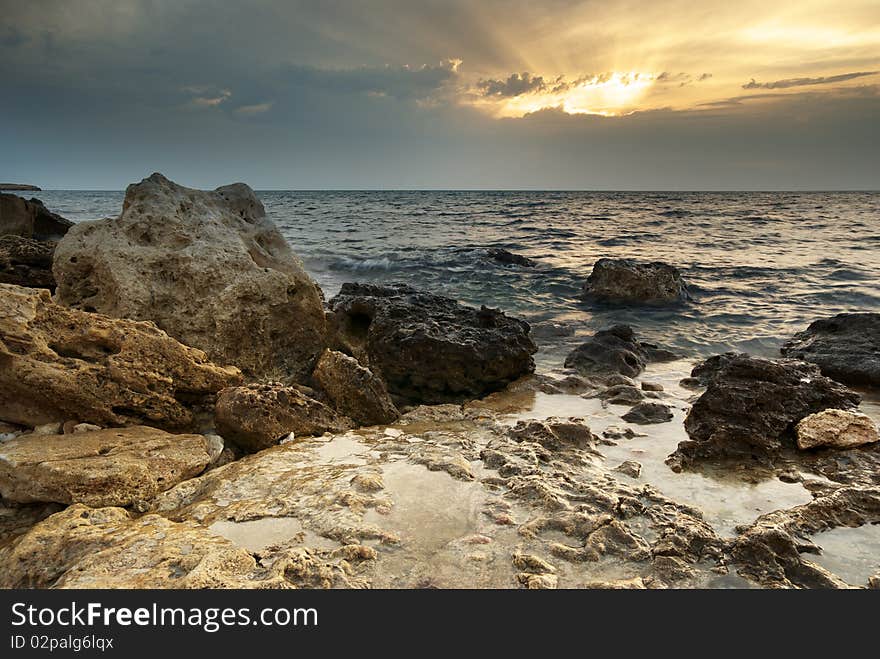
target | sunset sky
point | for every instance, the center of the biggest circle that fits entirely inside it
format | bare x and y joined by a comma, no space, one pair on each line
452,94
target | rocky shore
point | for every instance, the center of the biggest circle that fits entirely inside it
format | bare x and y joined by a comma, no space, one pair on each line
180,407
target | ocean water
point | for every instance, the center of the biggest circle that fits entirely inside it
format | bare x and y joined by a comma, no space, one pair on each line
760,266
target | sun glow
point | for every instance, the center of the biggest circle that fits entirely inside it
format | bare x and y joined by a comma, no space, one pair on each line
607,95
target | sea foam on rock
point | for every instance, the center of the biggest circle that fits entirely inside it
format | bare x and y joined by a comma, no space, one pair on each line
626,280
207,267
846,347
58,364
430,348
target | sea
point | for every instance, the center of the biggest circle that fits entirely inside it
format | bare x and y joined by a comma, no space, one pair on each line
760,266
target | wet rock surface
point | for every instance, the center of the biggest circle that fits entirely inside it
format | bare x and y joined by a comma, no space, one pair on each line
100,468
507,257
751,405
258,416
30,219
625,280
58,364
429,348
616,350
846,347
648,412
355,391
207,267
26,262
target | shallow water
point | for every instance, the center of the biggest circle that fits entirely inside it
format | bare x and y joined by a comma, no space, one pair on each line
761,266
851,553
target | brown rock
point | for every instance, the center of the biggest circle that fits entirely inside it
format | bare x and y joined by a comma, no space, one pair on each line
26,262
30,219
58,364
257,416
836,429
81,547
355,390
100,468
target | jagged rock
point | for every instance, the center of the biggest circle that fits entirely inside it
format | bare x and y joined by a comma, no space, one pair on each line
647,412
615,351
430,348
26,262
752,404
101,468
554,434
207,267
846,347
622,394
772,550
626,280
509,258
836,429
629,468
58,364
355,390
257,416
30,219
82,547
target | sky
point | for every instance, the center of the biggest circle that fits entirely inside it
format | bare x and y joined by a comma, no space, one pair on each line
442,94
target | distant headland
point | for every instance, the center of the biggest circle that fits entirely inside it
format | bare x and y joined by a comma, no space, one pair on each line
19,186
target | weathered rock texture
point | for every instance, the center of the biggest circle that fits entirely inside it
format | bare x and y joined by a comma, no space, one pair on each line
82,547
615,350
625,280
113,467
30,219
846,347
208,267
506,257
58,364
836,429
647,412
751,404
257,416
355,390
26,262
429,348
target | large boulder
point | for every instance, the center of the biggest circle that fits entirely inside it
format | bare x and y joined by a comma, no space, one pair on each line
30,219
356,391
751,406
208,267
836,429
615,350
846,347
26,262
429,348
60,364
257,416
114,467
82,547
626,280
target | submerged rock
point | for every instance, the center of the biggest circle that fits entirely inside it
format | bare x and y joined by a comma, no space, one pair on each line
626,280
58,364
615,350
647,412
26,262
846,347
113,467
355,390
752,404
429,348
509,258
30,219
81,547
209,268
257,416
836,429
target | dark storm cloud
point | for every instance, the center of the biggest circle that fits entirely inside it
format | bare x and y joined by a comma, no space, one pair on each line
514,85
804,82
